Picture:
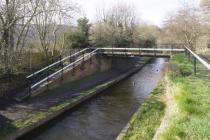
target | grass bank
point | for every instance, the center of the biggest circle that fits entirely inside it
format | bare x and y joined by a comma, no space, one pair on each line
179,109
148,118
192,120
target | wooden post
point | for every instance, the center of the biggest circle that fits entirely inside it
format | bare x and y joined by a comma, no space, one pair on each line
195,70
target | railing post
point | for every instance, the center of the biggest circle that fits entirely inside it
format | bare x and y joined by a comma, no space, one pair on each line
155,51
47,78
195,70
29,86
73,70
83,61
112,50
125,51
61,63
90,58
185,52
172,46
70,53
139,51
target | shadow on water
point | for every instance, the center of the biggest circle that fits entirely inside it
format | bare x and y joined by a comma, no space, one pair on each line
103,117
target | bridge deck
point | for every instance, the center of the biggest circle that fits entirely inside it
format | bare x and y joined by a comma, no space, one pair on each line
127,54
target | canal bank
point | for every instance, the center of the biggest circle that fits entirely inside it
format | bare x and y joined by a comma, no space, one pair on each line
147,119
177,109
46,112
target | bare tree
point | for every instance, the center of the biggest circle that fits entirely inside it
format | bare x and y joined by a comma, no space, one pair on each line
185,26
15,18
52,14
117,24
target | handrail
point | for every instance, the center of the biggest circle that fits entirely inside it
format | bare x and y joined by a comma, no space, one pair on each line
87,56
206,64
144,49
49,66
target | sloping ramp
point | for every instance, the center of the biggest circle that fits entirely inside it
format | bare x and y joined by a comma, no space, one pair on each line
35,85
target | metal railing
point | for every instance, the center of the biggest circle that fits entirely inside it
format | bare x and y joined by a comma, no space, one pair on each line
196,58
140,51
84,55
58,62
68,67
144,49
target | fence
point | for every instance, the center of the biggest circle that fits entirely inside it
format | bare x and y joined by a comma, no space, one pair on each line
196,58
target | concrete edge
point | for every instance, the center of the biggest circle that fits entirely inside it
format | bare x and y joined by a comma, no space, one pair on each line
21,132
128,125
133,118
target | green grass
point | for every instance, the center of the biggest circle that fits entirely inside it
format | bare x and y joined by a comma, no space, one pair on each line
144,125
192,122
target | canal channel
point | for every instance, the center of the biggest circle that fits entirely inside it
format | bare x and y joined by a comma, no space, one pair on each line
104,116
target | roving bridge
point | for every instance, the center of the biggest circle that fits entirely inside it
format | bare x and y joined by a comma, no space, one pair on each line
46,75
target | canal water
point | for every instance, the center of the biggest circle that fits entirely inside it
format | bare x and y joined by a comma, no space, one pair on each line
104,116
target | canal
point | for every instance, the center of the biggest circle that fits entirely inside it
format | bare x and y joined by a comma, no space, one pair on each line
104,116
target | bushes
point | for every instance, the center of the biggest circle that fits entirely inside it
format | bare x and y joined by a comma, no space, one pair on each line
80,37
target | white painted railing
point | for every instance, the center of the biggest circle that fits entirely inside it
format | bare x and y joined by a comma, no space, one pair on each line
50,66
69,67
144,49
207,65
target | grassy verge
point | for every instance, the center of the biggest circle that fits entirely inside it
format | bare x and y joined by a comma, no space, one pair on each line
192,120
145,123
187,111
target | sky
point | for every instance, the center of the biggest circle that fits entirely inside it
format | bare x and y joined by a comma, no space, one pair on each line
150,11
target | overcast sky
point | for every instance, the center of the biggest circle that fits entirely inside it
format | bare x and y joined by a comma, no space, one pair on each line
151,11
